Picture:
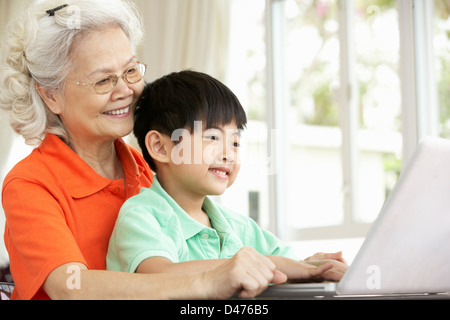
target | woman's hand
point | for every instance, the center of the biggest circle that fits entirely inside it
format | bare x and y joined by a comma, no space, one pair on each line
247,274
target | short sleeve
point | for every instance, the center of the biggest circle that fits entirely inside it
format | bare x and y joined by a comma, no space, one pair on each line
37,235
139,235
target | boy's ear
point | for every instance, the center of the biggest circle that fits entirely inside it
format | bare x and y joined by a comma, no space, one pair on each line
52,98
157,146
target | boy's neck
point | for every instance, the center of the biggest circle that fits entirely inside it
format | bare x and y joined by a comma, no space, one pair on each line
192,204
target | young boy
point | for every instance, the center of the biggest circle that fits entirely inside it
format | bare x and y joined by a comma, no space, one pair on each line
188,126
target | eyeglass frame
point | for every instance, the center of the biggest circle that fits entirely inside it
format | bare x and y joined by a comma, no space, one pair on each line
115,76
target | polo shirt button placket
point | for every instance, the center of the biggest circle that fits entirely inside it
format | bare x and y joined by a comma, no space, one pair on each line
205,236
115,189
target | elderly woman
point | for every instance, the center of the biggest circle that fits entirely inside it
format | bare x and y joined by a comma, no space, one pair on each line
70,79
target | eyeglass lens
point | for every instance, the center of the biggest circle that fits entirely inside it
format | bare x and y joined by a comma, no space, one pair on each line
131,76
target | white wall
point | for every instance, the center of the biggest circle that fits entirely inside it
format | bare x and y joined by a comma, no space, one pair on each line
8,9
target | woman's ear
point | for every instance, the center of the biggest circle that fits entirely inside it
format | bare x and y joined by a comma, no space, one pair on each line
52,98
158,147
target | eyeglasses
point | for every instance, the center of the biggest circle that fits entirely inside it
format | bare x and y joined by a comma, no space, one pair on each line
106,84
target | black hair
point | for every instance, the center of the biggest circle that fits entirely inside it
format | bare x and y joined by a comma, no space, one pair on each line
177,100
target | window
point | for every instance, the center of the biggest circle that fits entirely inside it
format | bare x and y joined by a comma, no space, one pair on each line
341,107
441,48
335,98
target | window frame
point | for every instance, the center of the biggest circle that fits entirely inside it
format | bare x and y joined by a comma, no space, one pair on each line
419,111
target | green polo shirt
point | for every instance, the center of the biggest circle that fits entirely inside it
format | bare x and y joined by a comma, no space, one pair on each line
152,224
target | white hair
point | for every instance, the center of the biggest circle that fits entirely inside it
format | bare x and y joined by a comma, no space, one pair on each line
37,50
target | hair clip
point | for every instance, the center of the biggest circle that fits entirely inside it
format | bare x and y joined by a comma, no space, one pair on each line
51,13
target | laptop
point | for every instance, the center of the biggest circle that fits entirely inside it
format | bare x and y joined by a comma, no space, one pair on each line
407,250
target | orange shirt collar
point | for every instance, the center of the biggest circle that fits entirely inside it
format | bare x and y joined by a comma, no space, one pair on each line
81,180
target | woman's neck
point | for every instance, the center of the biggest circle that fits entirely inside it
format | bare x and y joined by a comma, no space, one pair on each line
101,157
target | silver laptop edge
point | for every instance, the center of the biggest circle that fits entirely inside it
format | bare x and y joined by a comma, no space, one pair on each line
407,250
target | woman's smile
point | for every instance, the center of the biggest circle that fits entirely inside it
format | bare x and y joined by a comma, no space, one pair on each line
119,113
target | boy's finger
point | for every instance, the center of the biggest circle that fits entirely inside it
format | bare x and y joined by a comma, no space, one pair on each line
321,269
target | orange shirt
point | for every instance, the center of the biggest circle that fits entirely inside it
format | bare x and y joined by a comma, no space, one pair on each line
59,210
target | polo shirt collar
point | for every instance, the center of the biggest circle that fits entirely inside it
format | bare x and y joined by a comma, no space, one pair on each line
218,221
79,178
190,227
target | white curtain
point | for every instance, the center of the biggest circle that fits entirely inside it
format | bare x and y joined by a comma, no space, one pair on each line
185,34
179,34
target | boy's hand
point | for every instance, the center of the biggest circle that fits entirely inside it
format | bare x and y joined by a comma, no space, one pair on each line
327,256
339,265
315,273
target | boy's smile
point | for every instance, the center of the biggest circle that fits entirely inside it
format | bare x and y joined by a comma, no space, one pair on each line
221,173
